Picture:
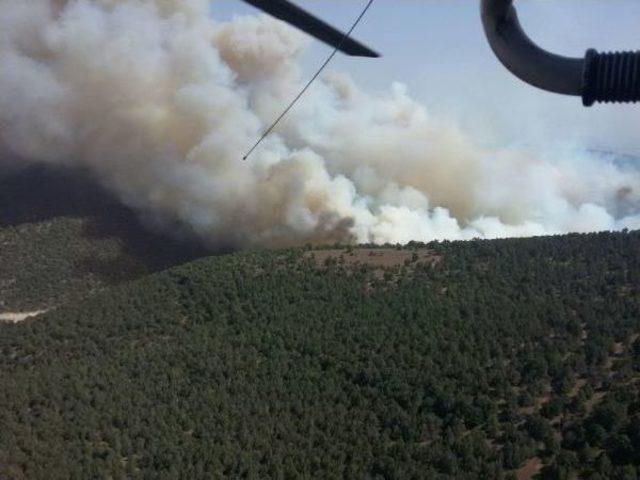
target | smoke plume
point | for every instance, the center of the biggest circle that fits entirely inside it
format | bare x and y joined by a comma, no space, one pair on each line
160,102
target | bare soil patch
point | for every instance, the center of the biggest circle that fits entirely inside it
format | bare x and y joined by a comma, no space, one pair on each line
594,401
15,317
579,385
381,258
530,469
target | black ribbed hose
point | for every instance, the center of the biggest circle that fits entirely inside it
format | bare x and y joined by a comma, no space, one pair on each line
611,77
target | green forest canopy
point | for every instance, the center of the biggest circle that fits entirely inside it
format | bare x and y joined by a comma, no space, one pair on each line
461,360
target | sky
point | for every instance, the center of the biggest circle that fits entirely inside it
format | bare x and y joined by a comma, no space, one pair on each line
437,48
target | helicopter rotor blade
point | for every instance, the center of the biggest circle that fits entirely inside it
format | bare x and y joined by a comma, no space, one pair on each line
303,20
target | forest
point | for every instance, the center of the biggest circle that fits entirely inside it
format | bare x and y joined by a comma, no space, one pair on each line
497,359
63,237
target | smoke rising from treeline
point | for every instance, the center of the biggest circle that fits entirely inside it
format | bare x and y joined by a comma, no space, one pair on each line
161,102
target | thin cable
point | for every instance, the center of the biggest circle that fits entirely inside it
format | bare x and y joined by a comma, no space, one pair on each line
313,79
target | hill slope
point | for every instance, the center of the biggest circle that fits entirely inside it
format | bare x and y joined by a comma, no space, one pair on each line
464,360
63,237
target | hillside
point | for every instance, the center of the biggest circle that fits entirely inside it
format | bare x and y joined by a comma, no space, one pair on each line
486,359
63,237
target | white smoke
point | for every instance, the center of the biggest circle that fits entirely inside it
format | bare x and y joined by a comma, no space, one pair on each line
161,102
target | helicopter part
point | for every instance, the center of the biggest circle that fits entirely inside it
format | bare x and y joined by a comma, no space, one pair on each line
346,37
598,77
299,18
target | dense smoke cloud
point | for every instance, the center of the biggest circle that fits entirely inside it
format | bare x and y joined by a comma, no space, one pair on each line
161,102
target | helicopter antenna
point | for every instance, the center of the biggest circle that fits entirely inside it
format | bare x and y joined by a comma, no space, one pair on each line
346,36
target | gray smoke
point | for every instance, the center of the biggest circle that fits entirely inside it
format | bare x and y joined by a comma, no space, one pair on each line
160,102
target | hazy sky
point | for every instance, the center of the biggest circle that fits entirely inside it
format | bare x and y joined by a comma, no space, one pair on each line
438,49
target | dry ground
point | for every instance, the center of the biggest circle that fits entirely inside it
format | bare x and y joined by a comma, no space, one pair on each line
15,317
530,469
380,258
